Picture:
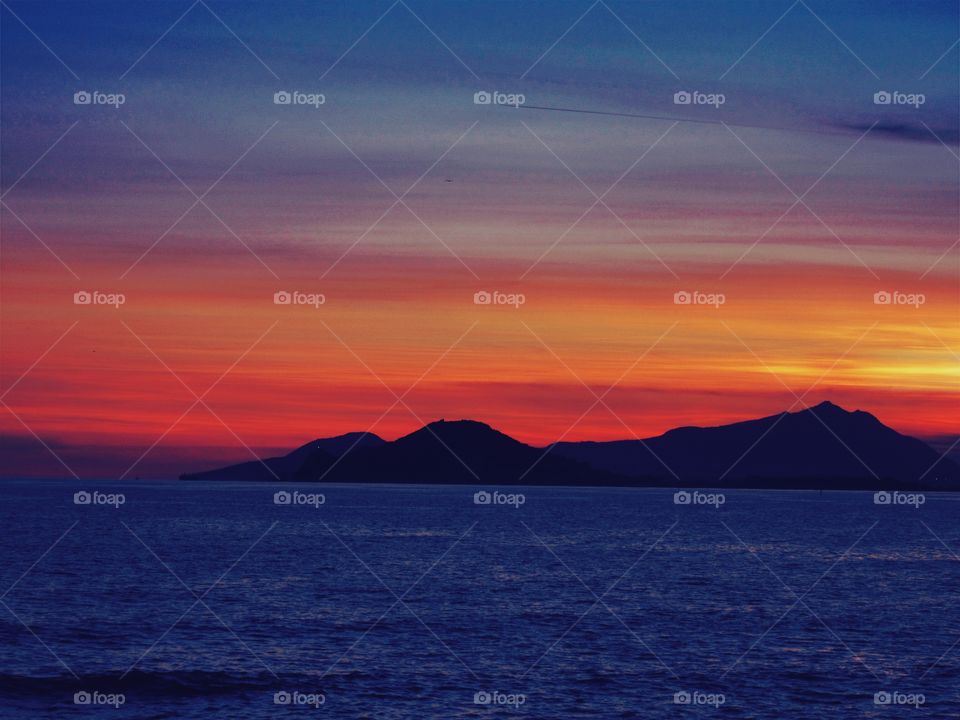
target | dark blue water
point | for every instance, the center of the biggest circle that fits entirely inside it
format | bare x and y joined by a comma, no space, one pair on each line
406,602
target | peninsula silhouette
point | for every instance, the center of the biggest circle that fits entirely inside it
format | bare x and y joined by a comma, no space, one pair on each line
823,447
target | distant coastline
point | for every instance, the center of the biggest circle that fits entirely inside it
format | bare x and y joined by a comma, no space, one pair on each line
819,448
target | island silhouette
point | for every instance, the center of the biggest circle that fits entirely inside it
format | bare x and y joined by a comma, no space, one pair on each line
820,447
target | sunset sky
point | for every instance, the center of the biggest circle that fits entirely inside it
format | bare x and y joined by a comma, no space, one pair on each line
303,198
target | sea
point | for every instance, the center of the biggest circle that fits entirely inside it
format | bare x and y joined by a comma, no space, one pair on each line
230,600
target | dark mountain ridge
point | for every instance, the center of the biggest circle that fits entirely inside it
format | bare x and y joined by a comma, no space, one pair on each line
286,466
820,447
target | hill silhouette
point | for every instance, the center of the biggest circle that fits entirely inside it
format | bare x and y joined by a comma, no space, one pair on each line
285,467
820,447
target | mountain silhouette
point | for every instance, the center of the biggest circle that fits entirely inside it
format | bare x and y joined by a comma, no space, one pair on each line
460,451
286,466
820,447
